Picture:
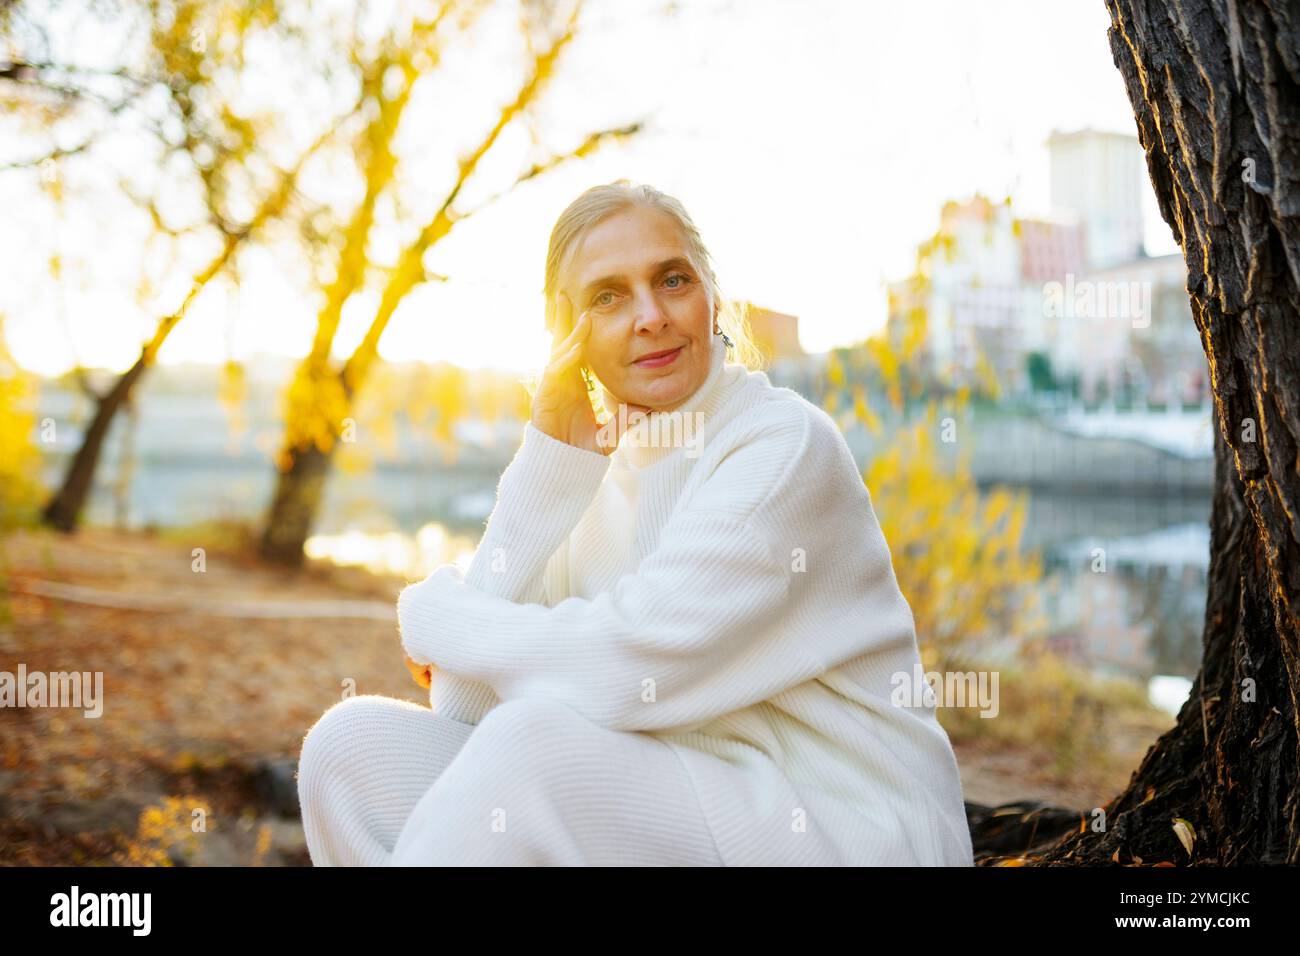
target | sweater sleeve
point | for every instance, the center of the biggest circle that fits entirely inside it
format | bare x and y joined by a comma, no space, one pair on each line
695,632
540,497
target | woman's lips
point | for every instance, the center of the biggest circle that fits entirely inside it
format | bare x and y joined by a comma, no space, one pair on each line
660,360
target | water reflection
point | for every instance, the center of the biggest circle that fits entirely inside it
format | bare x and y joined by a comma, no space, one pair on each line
413,557
1133,605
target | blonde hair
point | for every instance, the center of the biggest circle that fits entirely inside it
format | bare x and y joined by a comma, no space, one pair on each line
598,203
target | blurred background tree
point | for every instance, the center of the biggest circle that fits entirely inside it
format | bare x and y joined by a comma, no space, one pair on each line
321,400
307,165
218,165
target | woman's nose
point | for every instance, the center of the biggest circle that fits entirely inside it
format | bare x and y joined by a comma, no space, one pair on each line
649,315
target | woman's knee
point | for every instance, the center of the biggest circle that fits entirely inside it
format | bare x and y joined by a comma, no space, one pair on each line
342,736
347,720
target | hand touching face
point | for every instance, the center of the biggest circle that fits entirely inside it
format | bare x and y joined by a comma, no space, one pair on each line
561,406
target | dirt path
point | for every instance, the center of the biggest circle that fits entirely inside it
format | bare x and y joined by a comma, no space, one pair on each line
215,605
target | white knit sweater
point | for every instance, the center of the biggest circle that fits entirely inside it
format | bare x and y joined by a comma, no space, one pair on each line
732,595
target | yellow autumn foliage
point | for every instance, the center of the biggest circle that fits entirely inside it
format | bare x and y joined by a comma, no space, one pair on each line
232,393
957,553
315,409
164,828
19,456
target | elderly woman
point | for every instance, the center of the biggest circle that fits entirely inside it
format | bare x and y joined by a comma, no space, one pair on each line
679,639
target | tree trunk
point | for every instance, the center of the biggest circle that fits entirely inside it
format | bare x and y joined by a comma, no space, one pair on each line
1215,86
64,510
299,490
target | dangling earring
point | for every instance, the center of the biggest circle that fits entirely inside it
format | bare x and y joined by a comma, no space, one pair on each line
586,377
726,339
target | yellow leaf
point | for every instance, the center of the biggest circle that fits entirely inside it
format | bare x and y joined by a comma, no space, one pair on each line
1186,834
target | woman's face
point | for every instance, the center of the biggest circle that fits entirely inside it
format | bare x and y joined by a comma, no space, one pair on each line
632,274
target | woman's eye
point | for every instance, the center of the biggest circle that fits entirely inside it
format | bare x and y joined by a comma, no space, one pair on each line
674,282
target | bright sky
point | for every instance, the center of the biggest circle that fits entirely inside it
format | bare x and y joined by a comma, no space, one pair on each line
813,143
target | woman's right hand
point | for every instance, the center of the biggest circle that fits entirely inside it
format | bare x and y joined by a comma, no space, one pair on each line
421,672
561,407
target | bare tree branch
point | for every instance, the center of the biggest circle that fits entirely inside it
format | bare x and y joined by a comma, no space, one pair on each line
592,143
410,264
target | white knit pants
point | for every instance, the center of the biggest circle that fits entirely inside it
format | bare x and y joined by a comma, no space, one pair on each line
384,782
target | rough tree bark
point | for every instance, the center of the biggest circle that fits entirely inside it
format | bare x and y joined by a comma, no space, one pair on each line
1215,87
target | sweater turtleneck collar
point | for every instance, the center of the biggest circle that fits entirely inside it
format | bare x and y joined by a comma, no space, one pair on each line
659,434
